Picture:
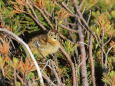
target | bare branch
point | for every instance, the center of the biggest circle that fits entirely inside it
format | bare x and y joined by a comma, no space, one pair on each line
69,29
91,61
107,55
53,68
48,80
108,41
89,17
81,4
83,57
75,83
65,6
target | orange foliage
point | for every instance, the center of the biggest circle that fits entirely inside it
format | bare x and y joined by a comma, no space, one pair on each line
105,25
27,66
4,46
21,2
40,3
18,9
62,14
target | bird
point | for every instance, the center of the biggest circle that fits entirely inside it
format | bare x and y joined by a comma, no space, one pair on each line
45,44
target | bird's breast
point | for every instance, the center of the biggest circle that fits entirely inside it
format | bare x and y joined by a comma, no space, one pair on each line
49,48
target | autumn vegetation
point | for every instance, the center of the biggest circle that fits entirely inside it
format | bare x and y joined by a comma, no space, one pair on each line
86,30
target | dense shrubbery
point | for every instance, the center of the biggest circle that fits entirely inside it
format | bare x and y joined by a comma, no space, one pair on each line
87,32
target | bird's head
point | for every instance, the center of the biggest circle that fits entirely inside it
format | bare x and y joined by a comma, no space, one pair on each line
53,34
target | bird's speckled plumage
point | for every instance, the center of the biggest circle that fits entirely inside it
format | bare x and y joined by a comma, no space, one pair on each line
46,44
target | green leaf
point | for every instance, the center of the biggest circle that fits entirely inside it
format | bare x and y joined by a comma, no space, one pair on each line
113,14
30,76
18,83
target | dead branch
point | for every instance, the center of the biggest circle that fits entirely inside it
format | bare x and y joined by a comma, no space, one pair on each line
91,61
75,83
48,79
69,29
53,68
83,57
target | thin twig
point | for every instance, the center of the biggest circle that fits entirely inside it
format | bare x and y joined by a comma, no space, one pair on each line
40,24
46,64
21,80
43,14
69,29
81,4
35,17
65,38
48,80
107,41
47,13
53,68
89,17
107,55
65,6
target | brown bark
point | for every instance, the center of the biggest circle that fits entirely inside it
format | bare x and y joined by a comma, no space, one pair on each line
74,77
91,61
83,57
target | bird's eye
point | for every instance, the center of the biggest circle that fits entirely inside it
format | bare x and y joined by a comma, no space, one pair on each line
54,37
51,34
